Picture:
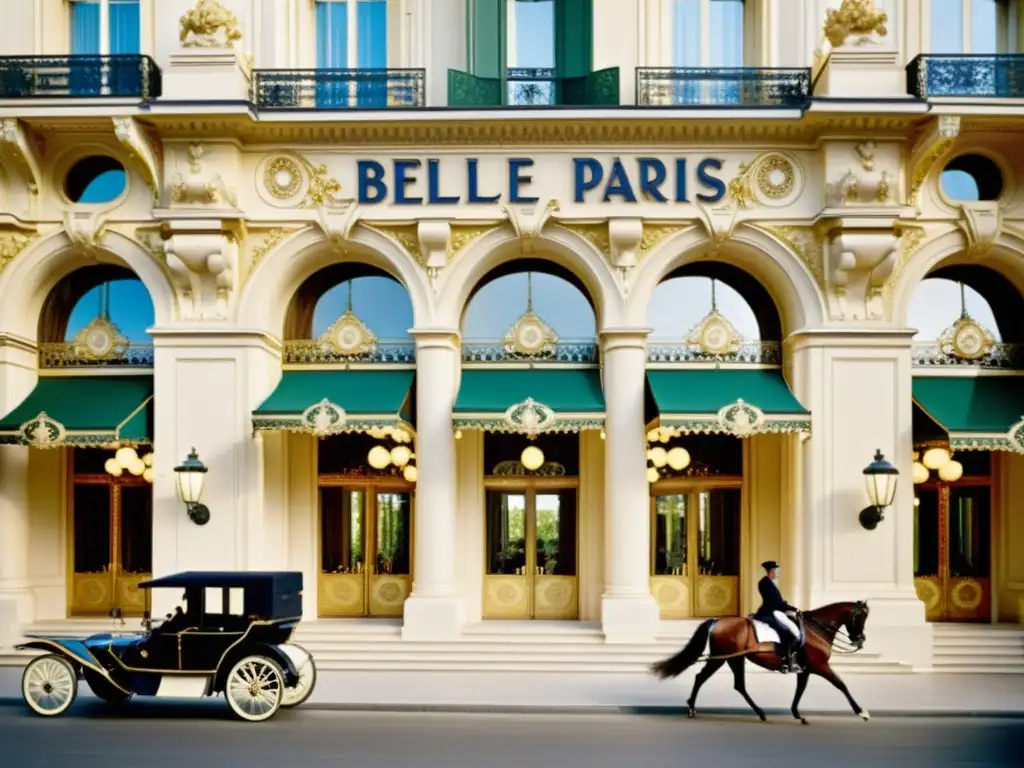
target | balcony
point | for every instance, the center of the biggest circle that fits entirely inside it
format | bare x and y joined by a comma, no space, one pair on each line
932,76
338,88
79,77
534,88
742,87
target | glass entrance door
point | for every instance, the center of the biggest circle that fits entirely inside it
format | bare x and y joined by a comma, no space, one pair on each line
531,554
695,551
952,551
365,550
111,525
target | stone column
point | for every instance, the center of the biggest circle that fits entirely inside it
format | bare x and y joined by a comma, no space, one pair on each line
17,377
857,385
434,610
628,610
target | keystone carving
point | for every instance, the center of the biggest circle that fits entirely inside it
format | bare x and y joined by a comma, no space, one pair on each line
930,149
625,237
144,152
196,188
859,261
209,25
857,20
16,145
720,223
337,223
434,241
85,228
982,223
528,221
203,260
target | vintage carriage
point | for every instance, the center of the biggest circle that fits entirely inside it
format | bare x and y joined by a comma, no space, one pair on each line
231,636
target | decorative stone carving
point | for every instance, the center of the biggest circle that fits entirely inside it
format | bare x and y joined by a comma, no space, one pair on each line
866,154
530,418
596,233
624,237
13,243
43,432
85,228
844,191
464,235
197,188
769,179
966,339
434,240
348,336
910,239
203,260
861,257
655,233
15,142
273,237
981,222
528,221
805,242
337,223
530,336
856,19
143,150
933,146
714,336
209,25
283,177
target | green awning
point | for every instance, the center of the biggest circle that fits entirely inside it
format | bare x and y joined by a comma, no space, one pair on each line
83,411
525,400
737,402
981,413
333,402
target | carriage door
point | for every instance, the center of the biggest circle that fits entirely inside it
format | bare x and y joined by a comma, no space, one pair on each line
952,550
365,550
531,554
695,548
110,523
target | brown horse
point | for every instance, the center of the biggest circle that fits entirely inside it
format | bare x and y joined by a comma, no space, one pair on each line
734,640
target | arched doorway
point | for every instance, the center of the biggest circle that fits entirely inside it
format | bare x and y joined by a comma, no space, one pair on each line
348,387
967,421
93,403
530,397
719,418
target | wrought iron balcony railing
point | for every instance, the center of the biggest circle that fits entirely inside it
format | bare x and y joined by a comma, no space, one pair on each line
316,352
1002,357
565,351
748,87
73,355
749,353
81,77
338,88
962,75
534,88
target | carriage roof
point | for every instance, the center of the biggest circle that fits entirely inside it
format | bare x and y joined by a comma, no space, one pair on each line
268,594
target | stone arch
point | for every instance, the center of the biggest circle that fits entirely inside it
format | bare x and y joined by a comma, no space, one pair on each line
29,280
267,294
1005,257
557,245
797,297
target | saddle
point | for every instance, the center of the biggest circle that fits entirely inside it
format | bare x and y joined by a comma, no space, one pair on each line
765,633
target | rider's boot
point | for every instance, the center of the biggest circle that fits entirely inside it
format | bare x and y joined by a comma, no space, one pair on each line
786,655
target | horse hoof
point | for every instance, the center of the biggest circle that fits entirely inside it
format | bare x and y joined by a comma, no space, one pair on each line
864,715
763,716
691,713
803,721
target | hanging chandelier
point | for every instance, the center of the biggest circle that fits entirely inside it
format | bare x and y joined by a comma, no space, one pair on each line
400,455
127,459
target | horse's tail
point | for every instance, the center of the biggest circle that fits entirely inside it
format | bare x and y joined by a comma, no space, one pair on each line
676,665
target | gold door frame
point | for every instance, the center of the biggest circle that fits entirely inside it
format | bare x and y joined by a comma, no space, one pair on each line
961,598
95,594
529,596
693,594
368,594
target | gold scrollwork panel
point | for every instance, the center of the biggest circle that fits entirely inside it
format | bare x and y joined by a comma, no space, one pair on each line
672,593
92,593
718,596
555,597
929,592
506,597
128,596
388,594
967,599
342,594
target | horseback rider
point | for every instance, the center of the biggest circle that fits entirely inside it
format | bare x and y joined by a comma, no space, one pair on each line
776,612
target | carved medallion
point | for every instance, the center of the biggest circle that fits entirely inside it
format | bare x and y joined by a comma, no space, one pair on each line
741,419
715,335
530,336
530,417
42,431
100,340
324,418
348,336
283,177
775,177
966,339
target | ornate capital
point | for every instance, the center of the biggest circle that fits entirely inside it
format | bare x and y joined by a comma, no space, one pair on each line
145,152
203,260
16,144
861,256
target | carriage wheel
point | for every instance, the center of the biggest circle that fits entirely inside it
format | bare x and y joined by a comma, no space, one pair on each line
49,685
255,688
307,680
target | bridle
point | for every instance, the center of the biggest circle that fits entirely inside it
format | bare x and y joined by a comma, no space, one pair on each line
853,640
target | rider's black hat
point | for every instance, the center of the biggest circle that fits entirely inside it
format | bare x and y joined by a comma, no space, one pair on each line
769,564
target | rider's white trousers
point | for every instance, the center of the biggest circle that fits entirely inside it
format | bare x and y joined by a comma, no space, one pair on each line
788,623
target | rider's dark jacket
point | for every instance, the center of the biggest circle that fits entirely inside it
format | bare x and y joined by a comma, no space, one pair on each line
771,599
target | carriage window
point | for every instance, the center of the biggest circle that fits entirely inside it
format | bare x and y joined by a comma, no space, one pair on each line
236,601
214,599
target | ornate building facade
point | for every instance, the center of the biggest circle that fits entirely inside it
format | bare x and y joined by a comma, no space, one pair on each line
243,158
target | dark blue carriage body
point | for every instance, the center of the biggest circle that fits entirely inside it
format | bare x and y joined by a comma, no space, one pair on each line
200,643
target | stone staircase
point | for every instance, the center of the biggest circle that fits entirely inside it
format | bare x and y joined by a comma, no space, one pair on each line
527,647
978,648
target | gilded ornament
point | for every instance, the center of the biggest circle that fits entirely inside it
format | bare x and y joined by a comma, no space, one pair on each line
655,233
806,244
348,336
855,18
770,175
966,339
323,190
209,25
1016,435
406,235
11,244
884,188
530,336
283,177
911,238
100,340
775,177
273,238
866,154
462,236
597,234
715,336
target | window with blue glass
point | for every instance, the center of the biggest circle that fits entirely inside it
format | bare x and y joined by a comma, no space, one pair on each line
707,35
974,26
102,28
352,53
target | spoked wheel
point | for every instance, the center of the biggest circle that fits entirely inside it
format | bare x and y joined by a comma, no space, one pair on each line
255,689
307,680
49,685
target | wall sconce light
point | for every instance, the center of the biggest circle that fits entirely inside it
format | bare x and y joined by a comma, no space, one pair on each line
880,478
191,474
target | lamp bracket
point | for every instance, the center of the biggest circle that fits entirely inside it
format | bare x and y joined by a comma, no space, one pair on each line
199,514
870,517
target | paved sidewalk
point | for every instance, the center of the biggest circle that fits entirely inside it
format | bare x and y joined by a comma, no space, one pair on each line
905,694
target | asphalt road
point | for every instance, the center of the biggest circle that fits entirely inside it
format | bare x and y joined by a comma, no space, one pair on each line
156,734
